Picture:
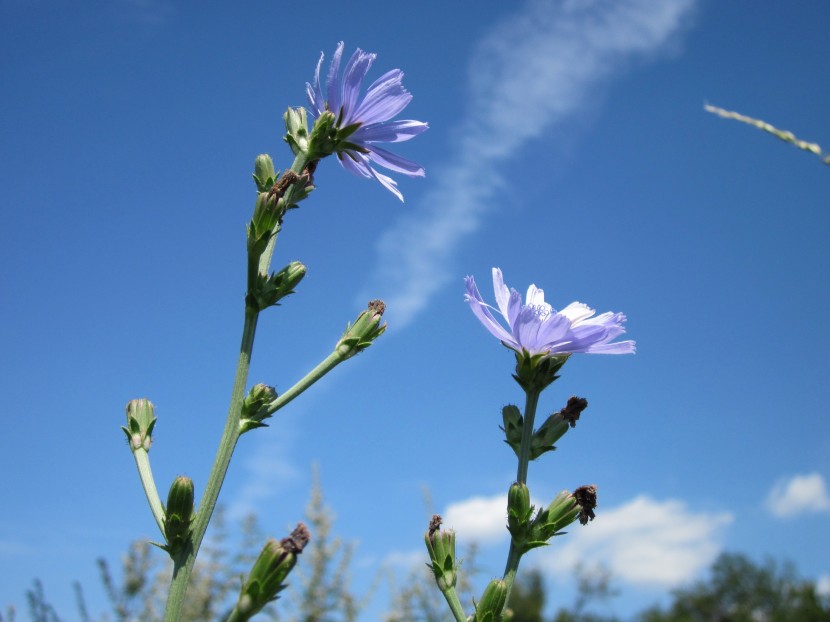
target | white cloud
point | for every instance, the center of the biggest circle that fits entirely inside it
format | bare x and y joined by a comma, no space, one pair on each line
643,542
823,585
481,519
800,494
529,74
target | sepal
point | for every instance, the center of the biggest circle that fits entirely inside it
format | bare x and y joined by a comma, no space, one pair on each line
269,572
535,372
178,515
140,423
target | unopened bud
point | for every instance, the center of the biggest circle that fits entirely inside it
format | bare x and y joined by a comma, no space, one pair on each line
269,571
140,423
491,605
268,291
519,512
441,549
264,173
178,515
255,407
363,332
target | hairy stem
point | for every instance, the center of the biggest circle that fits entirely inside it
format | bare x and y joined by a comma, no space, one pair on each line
514,555
183,563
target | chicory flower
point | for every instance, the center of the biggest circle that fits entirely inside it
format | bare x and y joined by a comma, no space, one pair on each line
367,119
537,328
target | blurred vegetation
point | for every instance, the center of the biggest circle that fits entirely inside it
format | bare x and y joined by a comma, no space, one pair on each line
736,590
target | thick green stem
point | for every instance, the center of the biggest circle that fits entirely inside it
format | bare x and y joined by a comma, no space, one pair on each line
142,461
183,564
455,604
514,555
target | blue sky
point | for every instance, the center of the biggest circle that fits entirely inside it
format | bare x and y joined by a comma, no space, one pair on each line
567,145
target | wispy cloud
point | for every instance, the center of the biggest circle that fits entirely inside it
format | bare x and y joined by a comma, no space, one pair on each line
644,542
268,471
823,585
800,494
528,75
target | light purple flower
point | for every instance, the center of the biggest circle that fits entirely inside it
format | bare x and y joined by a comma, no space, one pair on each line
537,328
384,99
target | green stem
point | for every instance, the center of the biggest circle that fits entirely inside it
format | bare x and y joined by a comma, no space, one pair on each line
324,367
298,166
514,555
142,461
183,564
455,604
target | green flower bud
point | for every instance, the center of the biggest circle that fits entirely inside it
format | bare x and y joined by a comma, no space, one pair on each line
547,434
561,512
264,174
178,516
269,571
512,429
491,605
255,407
140,424
296,128
441,548
363,332
519,513
268,291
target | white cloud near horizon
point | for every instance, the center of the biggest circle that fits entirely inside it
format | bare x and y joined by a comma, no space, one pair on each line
800,494
823,585
643,542
530,73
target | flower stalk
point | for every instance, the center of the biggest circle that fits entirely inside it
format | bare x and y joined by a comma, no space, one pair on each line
184,561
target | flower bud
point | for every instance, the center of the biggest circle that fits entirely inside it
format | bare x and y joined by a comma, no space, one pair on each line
178,515
296,130
549,522
512,429
255,407
441,548
491,605
269,571
363,332
519,512
268,291
264,173
140,424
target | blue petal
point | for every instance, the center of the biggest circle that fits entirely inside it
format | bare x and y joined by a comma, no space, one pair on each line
333,79
356,70
482,312
395,162
389,131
